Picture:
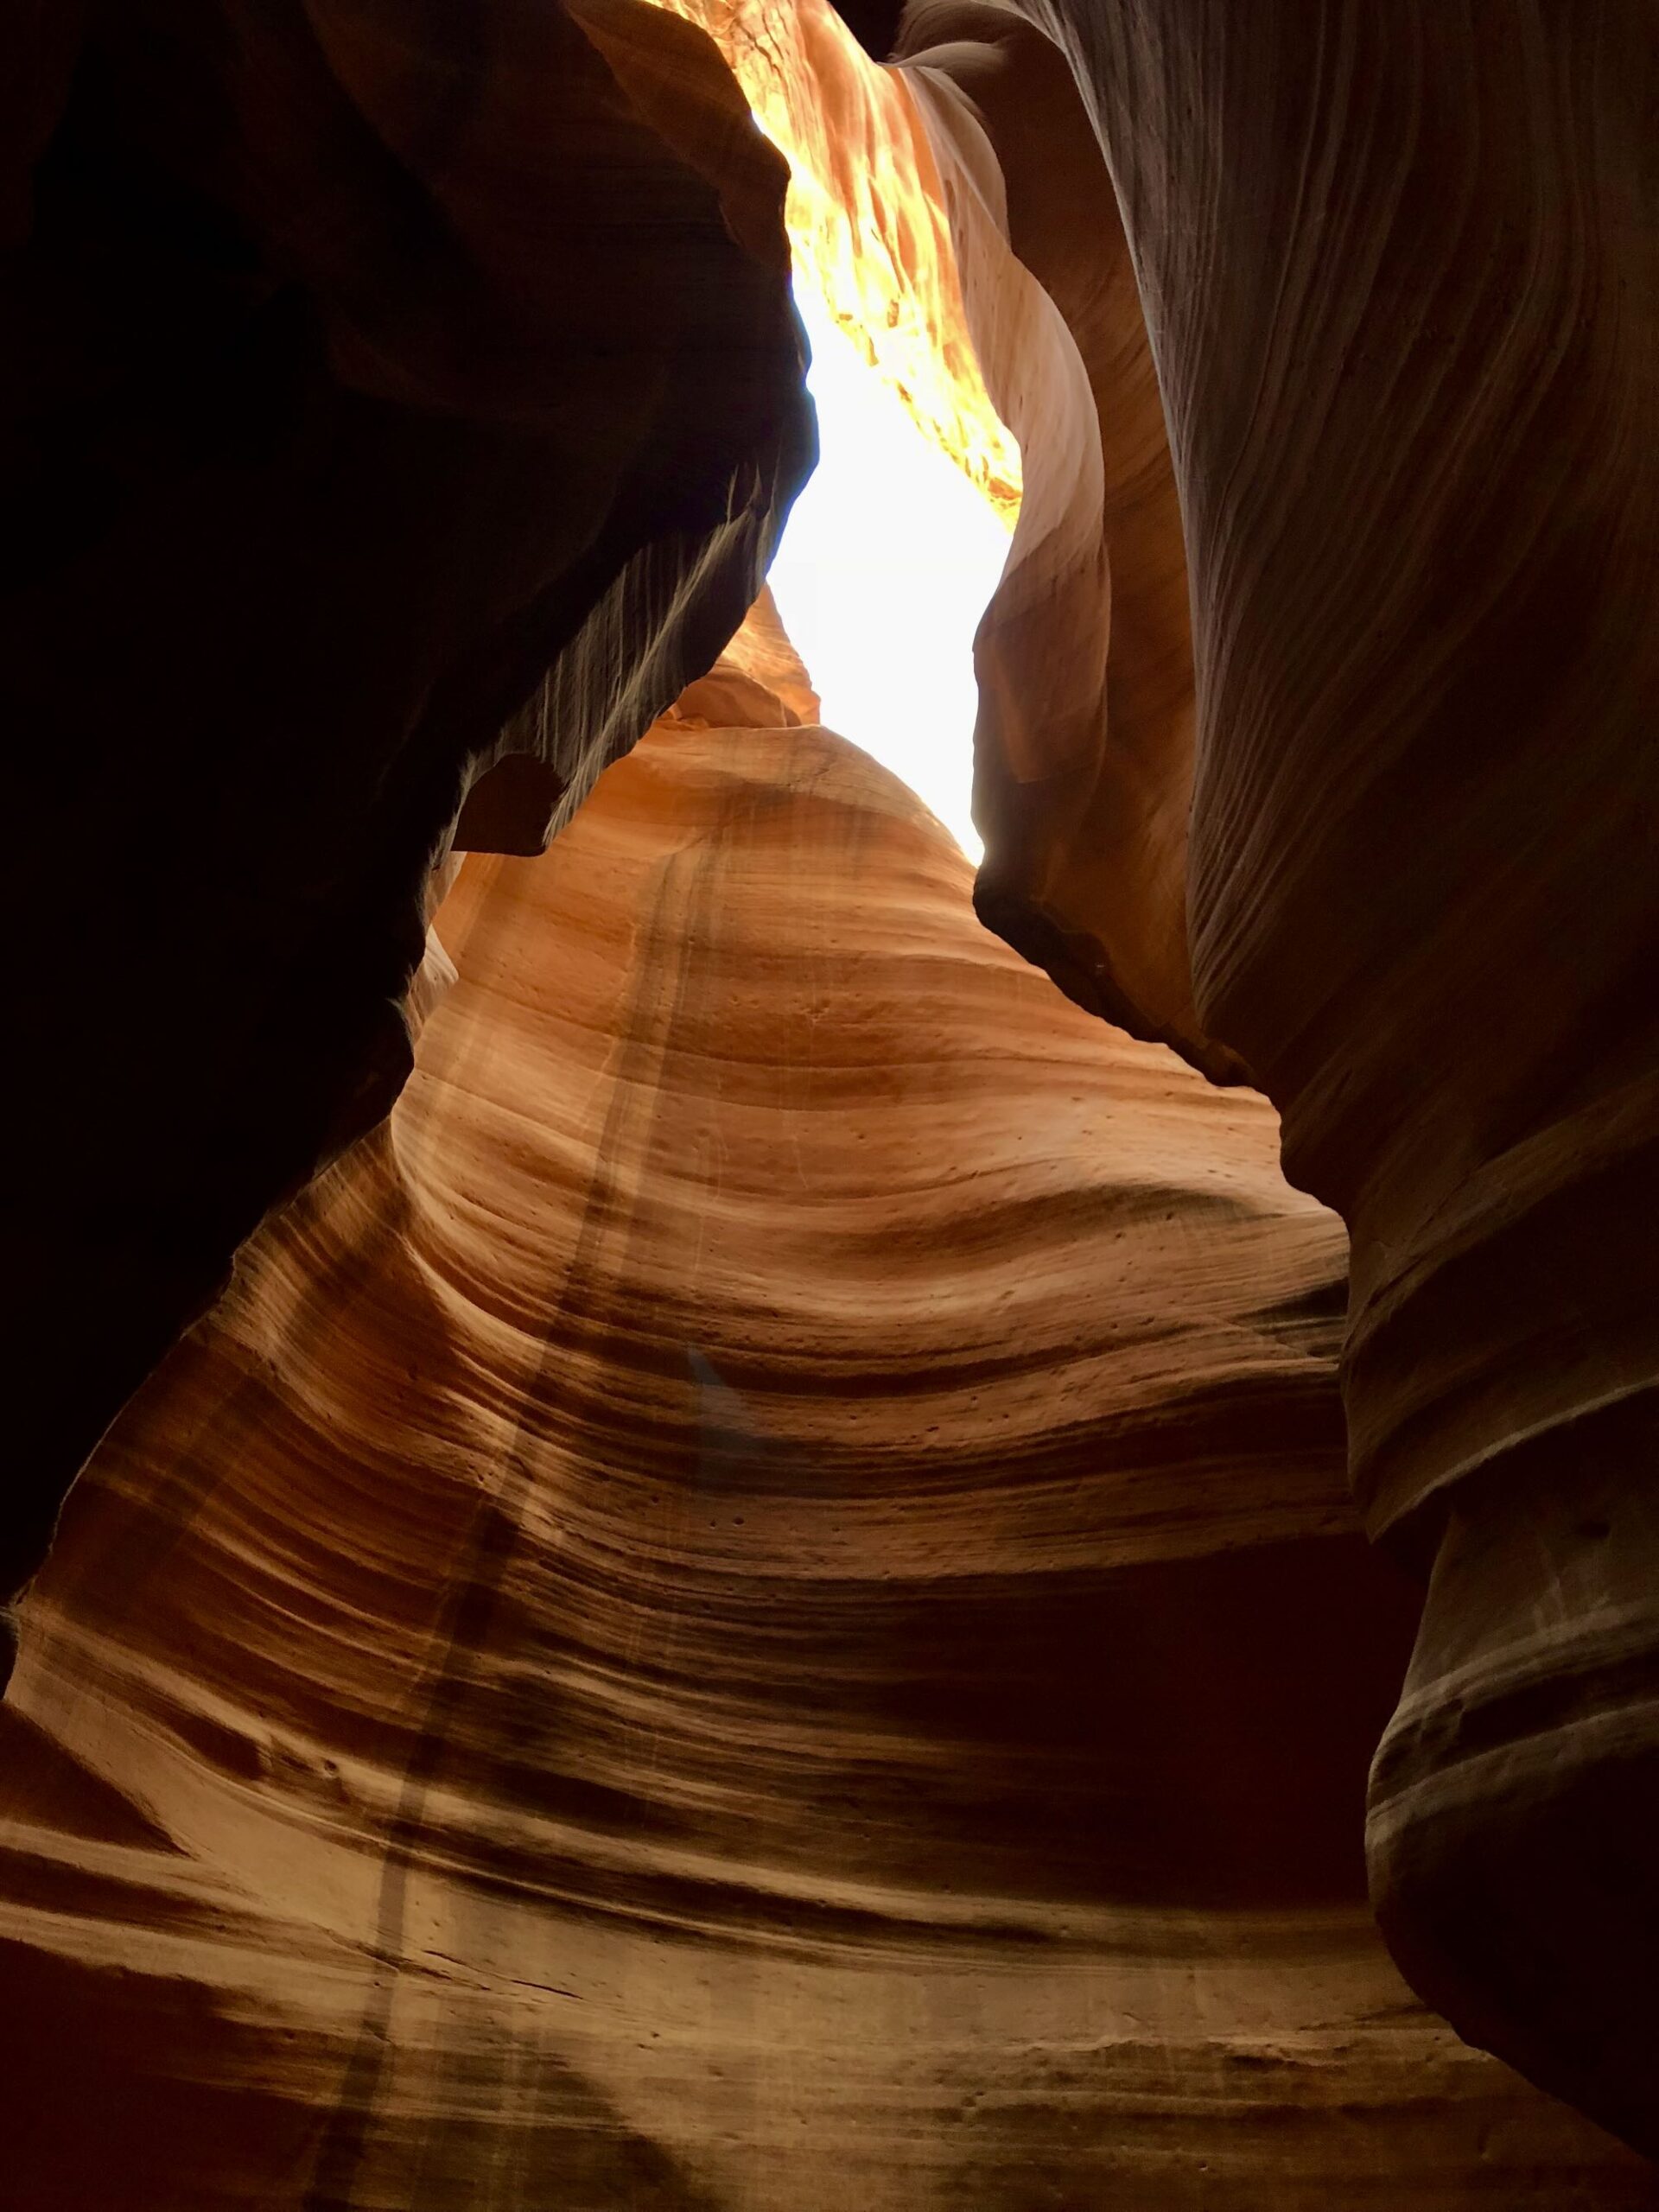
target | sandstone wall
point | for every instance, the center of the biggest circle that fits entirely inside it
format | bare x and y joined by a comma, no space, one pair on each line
1399,271
355,375
751,1605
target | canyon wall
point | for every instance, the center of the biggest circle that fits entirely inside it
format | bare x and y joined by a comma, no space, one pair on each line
752,1604
1399,275
357,375
394,425
1084,749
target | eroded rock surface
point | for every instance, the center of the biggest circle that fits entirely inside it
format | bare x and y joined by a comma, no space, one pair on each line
1083,747
356,374
350,486
1399,271
751,1605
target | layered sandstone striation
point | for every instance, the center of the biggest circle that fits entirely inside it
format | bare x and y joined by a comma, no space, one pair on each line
751,1605
366,389
868,226
785,1510
1084,748
1399,271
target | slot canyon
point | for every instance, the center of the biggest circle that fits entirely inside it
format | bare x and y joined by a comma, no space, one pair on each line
707,1508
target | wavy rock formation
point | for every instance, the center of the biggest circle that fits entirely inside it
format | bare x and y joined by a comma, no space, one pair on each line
355,375
751,1605
1084,748
867,223
1399,271
748,1607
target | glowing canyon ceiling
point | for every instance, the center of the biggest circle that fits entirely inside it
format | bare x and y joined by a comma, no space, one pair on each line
703,1510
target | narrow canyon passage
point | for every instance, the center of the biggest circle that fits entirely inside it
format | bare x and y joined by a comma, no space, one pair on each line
829,1396
683,1638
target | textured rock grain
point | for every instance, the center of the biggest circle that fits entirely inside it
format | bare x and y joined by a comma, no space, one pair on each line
750,1606
1399,271
1083,747
355,375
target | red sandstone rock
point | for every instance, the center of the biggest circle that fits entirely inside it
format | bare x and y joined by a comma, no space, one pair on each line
751,1605
298,373
1400,270
356,374
1084,749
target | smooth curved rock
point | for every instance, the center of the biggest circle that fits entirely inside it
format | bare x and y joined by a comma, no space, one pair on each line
356,373
1083,747
1401,273
867,223
751,1605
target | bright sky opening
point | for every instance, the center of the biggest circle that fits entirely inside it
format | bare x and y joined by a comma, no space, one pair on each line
886,564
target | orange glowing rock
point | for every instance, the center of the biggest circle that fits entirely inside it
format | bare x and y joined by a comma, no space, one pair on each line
866,218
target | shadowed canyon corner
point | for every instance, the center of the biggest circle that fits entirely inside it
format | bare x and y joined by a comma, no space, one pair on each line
706,1507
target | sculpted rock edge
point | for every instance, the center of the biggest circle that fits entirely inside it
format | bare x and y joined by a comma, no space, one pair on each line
329,497
1399,276
683,1638
356,378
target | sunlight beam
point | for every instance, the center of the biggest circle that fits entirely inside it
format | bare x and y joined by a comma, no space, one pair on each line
888,560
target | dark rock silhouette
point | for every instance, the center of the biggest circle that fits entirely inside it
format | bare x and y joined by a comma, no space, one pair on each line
358,375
